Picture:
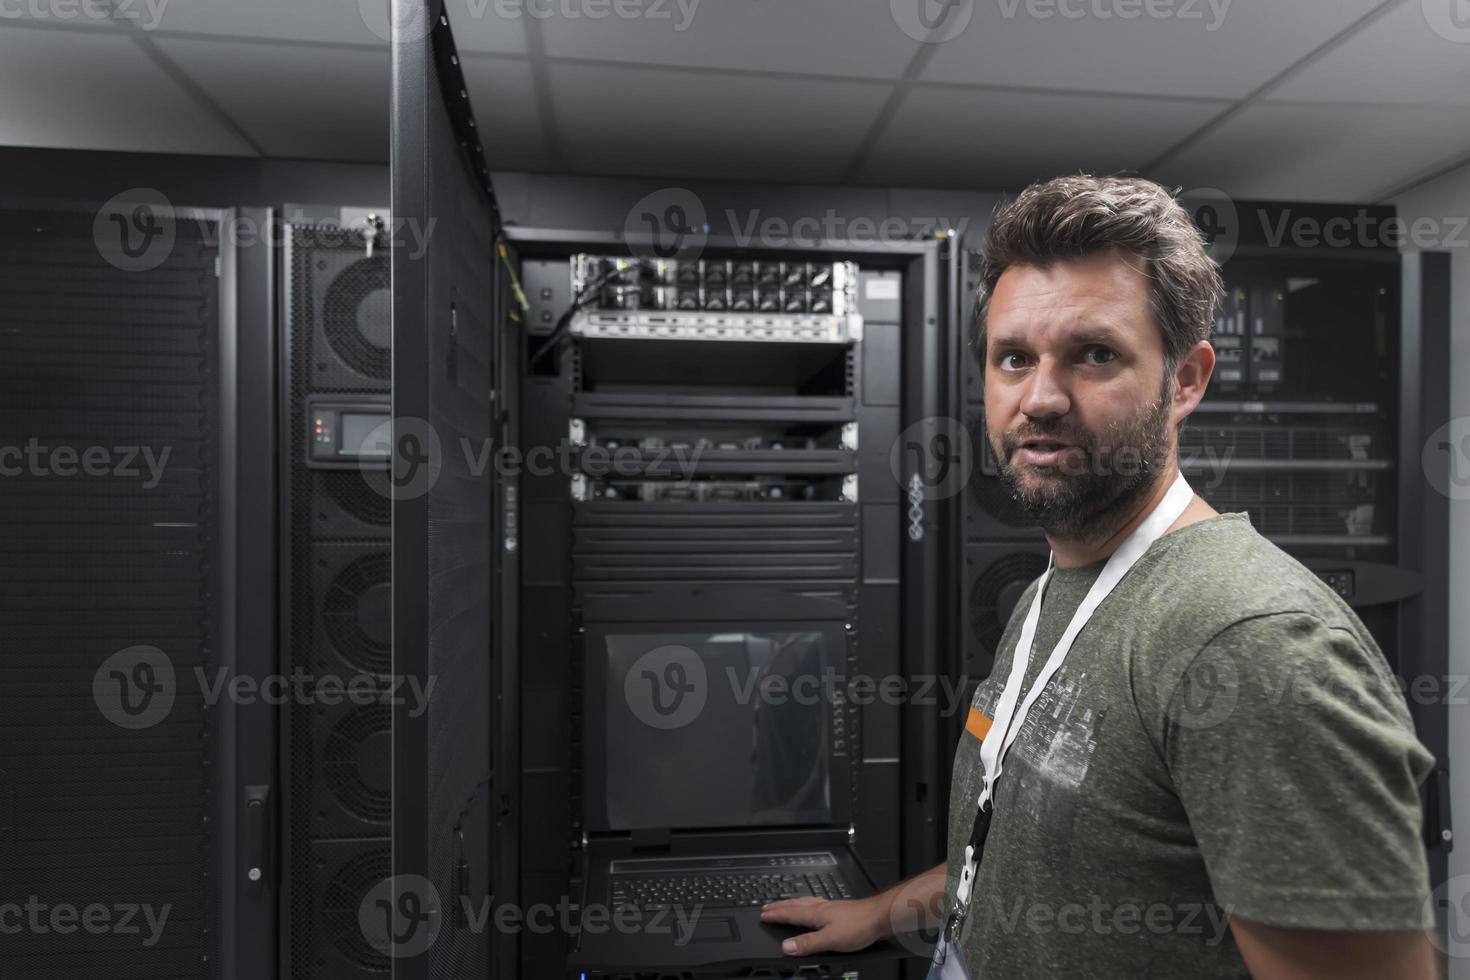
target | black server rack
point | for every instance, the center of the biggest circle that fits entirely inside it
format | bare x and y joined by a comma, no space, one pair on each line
130,401
755,483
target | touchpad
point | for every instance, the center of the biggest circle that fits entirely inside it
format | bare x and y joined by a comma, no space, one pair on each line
713,929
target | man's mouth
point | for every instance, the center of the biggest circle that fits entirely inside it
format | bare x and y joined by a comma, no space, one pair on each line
1042,452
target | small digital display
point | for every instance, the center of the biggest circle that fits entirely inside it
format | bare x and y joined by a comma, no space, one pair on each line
365,435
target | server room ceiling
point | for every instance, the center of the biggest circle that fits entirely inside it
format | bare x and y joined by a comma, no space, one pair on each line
1299,99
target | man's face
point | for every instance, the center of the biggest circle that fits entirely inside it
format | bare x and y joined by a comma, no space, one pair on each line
1077,404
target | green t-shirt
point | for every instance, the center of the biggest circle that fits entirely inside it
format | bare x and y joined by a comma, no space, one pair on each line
1224,738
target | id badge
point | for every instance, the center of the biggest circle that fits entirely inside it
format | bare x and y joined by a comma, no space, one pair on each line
948,962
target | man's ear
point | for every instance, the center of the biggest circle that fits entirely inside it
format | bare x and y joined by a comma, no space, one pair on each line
1191,378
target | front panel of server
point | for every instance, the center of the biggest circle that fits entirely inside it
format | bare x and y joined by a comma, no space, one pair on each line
726,424
336,579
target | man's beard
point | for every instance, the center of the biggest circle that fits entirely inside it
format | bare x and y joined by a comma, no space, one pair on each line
1098,480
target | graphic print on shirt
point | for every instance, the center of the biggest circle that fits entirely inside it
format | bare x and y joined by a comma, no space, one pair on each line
1050,758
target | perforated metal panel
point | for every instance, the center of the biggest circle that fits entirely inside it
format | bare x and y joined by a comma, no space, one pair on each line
336,580
102,553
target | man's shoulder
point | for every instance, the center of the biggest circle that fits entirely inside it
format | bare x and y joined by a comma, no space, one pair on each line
1220,571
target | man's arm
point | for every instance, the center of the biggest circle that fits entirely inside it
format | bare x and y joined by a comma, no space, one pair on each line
850,924
1273,953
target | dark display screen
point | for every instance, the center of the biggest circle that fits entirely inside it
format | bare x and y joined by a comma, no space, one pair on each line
720,729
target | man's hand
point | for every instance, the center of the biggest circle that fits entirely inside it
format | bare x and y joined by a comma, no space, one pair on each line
837,926
848,925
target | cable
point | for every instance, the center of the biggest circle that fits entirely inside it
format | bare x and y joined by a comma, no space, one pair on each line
564,321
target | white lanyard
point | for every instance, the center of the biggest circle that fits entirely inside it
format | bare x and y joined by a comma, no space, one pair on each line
1008,720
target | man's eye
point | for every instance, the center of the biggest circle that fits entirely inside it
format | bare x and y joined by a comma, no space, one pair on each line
1099,355
1010,361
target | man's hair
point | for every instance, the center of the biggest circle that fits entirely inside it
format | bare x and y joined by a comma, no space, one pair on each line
1077,216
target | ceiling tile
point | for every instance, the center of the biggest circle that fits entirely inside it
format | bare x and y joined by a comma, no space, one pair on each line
324,103
1317,152
1373,66
97,90
833,37
356,22
506,113
674,123
991,140
1210,48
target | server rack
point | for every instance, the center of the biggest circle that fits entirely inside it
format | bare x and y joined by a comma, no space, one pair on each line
605,558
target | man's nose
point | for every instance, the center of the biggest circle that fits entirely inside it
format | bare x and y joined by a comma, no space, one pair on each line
1044,394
